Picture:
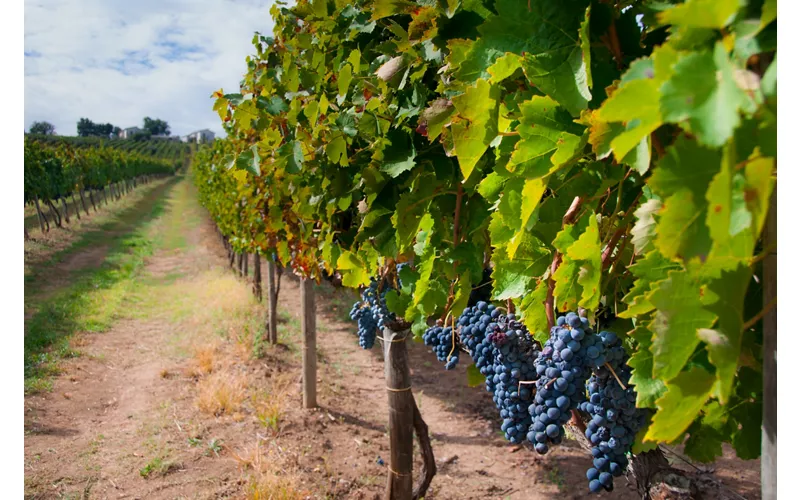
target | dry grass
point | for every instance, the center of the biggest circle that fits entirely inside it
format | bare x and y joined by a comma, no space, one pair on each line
265,482
270,405
221,393
202,362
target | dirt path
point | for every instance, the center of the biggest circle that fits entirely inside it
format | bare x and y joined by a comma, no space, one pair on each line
179,399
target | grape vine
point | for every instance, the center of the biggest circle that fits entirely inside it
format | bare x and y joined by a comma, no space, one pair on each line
614,157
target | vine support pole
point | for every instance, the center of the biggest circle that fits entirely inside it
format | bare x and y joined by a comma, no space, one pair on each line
272,306
257,276
769,425
401,415
309,328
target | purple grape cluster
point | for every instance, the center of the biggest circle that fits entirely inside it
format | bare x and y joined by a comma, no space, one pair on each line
562,367
615,418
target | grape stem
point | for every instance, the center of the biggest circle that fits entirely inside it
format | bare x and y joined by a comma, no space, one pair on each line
755,319
615,376
549,305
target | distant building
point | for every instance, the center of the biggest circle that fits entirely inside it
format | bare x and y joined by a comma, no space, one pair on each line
128,133
200,136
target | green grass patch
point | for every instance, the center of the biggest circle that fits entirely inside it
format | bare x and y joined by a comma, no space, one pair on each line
89,303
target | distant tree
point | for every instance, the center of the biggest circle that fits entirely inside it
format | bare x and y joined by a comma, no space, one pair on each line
116,132
44,128
156,126
87,127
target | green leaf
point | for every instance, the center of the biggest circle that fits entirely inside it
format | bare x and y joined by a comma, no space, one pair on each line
549,139
534,315
703,95
474,376
561,74
648,388
587,250
435,116
343,81
685,165
245,113
679,406
712,14
504,67
681,232
521,28
586,46
726,302
680,314
509,278
397,303
398,157
635,103
423,234
649,270
386,8
354,273
337,151
704,443
477,127
491,186
644,230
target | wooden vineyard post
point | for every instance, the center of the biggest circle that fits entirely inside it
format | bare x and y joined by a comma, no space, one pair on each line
401,414
309,328
239,263
272,306
245,263
40,215
769,424
404,420
257,276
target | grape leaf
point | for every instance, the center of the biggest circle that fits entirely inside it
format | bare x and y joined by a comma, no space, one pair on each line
534,315
398,157
354,272
681,232
704,443
587,251
702,94
679,315
510,278
476,124
561,74
436,116
548,138
649,270
726,297
713,14
644,230
648,388
337,150
677,408
520,28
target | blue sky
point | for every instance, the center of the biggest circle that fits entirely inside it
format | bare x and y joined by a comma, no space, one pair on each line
119,61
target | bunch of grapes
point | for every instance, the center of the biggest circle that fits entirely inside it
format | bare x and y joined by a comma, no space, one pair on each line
443,343
371,313
615,418
503,351
562,367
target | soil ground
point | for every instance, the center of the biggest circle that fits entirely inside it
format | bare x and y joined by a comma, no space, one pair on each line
160,385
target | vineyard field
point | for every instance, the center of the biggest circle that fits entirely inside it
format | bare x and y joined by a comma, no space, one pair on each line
136,388
456,249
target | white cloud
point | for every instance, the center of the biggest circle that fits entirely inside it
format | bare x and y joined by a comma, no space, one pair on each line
117,62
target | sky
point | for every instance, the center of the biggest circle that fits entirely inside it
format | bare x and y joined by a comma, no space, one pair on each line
118,61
